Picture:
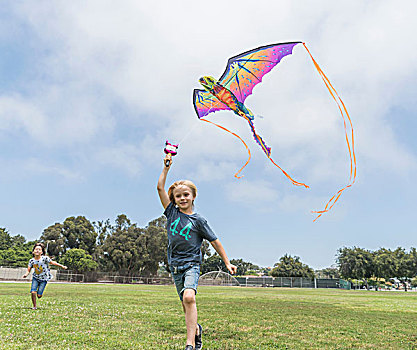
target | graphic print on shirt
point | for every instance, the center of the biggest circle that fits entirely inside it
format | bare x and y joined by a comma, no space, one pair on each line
38,269
185,232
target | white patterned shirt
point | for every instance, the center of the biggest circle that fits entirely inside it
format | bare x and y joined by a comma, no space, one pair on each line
41,268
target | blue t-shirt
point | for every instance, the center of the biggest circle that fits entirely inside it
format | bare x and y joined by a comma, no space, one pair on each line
185,236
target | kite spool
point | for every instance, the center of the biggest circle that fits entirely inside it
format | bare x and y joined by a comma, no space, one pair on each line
170,149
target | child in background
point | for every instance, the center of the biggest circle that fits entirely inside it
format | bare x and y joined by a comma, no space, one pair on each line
41,274
186,231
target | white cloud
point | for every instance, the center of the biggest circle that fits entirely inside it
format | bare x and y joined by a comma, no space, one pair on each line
38,166
124,156
259,195
17,114
147,58
34,166
97,87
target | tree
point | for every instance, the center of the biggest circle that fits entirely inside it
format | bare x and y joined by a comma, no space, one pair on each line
5,239
205,250
213,263
329,272
54,239
244,266
289,266
384,264
413,261
78,260
79,233
18,240
15,257
356,263
403,266
103,229
152,247
120,247
122,222
14,250
17,253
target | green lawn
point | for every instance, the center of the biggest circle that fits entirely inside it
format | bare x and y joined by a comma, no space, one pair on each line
77,316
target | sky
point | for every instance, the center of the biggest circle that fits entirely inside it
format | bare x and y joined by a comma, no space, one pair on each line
91,90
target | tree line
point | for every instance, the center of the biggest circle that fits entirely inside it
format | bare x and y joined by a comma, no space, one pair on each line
83,246
378,266
126,249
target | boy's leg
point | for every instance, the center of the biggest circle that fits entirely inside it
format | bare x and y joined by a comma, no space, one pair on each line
190,309
197,329
191,277
33,291
42,285
33,294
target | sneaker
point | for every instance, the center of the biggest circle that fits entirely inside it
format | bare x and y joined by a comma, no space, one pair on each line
198,341
189,347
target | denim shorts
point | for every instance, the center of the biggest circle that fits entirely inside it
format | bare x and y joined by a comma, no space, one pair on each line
38,286
186,277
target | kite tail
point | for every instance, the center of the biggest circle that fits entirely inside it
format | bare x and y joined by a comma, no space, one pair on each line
267,151
350,141
247,148
258,139
296,183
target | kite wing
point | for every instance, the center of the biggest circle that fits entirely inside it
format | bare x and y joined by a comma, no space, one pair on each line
246,70
205,103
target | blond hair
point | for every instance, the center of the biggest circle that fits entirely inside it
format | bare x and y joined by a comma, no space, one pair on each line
176,184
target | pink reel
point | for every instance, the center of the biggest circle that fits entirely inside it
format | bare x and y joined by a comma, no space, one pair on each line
170,149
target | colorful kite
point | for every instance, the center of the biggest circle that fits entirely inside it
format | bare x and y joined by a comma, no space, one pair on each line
230,91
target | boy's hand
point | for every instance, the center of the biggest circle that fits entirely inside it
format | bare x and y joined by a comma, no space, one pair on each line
64,267
25,275
232,268
168,160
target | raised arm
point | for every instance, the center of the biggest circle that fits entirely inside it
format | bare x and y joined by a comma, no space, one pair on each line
220,250
58,264
163,195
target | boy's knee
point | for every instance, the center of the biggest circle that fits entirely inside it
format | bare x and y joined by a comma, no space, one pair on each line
188,296
39,296
32,292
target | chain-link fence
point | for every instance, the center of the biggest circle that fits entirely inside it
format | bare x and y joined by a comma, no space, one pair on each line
293,282
211,278
69,276
15,273
112,277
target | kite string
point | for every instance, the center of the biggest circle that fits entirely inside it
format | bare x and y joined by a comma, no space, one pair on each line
350,142
188,133
191,129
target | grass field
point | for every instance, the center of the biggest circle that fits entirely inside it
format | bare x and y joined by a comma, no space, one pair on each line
88,316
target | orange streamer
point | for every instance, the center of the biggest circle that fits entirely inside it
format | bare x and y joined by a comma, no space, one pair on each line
350,142
247,148
296,183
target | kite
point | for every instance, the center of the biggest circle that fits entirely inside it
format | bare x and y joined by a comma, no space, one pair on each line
243,72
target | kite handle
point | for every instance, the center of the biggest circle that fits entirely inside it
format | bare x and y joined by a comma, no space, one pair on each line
171,150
